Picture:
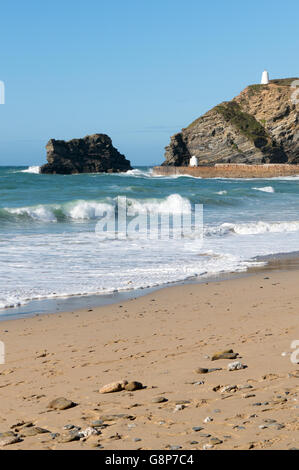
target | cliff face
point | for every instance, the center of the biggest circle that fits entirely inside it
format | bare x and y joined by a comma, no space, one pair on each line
260,125
92,154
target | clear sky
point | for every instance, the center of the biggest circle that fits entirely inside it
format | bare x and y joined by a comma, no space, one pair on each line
138,70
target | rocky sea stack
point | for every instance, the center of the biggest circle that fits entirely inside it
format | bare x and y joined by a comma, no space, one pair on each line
259,126
92,154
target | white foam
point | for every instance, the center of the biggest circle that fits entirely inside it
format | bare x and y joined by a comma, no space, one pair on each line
41,213
139,173
260,227
266,189
87,210
174,203
32,169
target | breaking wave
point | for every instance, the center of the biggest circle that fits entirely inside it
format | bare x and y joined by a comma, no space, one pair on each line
90,210
32,169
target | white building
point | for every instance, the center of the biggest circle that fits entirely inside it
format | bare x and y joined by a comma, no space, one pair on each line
193,161
265,78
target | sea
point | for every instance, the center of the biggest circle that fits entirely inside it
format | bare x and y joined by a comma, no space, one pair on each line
50,248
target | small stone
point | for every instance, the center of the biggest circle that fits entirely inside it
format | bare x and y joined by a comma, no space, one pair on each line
7,441
97,423
175,447
279,401
208,419
89,432
115,437
132,386
193,443
159,400
203,434
263,426
228,388
244,387
64,438
61,404
179,408
207,446
201,370
75,430
226,354
67,427
28,432
115,417
114,387
215,441
236,366
197,428
136,439
248,395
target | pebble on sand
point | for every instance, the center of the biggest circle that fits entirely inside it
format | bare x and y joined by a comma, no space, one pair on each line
236,366
207,446
131,386
114,417
226,354
201,370
33,431
6,441
61,404
208,419
159,400
114,387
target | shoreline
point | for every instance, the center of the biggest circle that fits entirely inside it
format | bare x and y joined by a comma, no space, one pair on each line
278,261
160,339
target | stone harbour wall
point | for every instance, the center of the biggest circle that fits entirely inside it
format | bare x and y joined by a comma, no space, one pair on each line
230,170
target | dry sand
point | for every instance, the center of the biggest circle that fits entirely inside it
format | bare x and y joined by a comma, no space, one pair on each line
159,340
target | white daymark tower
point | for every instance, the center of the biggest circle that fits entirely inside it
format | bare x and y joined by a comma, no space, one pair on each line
265,78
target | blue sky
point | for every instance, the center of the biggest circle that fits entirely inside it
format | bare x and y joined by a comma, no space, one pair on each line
136,70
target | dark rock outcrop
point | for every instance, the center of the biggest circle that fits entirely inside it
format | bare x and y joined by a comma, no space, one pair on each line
260,125
92,154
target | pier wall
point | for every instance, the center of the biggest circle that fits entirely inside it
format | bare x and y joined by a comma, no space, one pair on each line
230,170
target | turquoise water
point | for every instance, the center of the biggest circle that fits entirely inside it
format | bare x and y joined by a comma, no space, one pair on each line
49,249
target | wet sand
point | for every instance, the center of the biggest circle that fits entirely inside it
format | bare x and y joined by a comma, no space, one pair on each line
160,340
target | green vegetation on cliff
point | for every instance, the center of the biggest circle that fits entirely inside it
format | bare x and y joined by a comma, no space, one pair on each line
245,123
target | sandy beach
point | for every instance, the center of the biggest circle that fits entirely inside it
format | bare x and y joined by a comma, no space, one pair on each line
160,340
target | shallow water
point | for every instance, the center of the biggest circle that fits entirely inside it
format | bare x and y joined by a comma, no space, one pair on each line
49,247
